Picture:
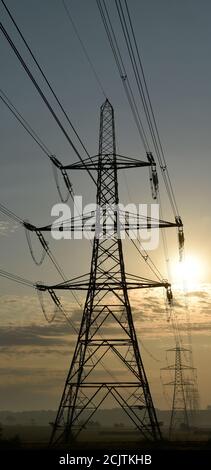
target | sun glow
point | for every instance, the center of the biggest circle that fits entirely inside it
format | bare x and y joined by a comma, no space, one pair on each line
190,271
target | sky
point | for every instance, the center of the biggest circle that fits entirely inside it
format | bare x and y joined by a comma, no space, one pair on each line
174,40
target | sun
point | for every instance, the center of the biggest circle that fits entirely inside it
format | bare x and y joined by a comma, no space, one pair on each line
189,270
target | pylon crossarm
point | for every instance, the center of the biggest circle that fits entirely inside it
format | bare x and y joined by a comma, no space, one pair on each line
115,384
106,223
121,162
173,384
113,286
178,349
109,282
182,366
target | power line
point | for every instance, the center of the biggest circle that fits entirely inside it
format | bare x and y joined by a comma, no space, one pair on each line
143,92
119,60
150,104
46,248
122,72
45,78
24,65
35,83
131,99
154,133
144,97
4,98
70,18
4,273
146,106
25,124
134,66
16,278
22,281
135,70
38,88
156,136
10,214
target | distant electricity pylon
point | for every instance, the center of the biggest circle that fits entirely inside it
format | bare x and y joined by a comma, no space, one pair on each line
185,398
182,390
107,330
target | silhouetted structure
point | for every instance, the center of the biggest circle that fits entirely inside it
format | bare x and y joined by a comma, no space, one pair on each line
89,383
179,413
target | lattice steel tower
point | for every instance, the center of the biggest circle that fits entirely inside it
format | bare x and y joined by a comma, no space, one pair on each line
180,382
107,329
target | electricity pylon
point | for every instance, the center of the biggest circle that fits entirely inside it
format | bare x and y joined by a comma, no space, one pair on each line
179,413
107,330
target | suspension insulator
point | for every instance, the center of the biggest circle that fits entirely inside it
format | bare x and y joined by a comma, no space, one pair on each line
28,228
168,314
57,166
41,300
55,298
154,183
56,162
169,295
42,240
153,175
67,182
181,237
